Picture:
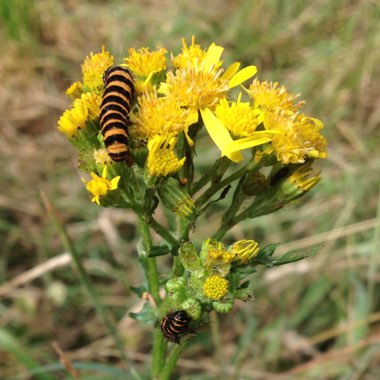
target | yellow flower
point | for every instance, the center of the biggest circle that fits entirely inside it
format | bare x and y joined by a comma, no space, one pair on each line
244,250
100,186
144,62
73,119
271,97
92,102
192,55
162,160
75,90
195,88
215,287
93,69
200,85
216,253
240,118
298,139
158,116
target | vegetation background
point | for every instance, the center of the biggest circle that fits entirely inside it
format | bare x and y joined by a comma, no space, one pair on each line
316,319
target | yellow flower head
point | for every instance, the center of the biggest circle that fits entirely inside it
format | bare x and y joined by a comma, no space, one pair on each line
158,116
144,62
240,118
298,139
73,119
162,160
302,177
100,186
190,56
216,258
93,69
244,250
215,287
270,97
195,88
92,102
75,90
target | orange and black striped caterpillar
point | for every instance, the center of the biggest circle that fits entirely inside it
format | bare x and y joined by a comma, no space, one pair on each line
114,111
175,324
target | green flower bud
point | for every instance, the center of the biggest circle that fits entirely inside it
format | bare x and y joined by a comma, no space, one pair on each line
176,198
298,183
175,285
189,257
193,308
223,306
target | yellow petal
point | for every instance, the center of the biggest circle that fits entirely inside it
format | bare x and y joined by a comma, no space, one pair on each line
245,143
243,75
192,117
114,182
213,55
231,71
163,89
219,134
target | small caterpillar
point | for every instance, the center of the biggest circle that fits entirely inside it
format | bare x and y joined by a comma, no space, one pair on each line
175,324
114,111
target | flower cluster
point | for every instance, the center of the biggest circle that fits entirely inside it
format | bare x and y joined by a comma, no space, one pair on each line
266,147
172,104
213,277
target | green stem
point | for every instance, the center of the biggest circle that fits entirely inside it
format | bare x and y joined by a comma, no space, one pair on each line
172,360
151,264
159,353
217,186
257,209
215,336
85,279
217,170
151,275
163,232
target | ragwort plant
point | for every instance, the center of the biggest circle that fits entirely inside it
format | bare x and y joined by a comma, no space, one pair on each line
175,101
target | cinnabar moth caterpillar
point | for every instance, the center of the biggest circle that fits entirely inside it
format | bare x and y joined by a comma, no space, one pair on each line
114,111
175,324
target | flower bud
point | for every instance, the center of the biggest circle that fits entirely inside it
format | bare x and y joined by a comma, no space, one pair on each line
298,183
224,306
176,198
189,257
193,308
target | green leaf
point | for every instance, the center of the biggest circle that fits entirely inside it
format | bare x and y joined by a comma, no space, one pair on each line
268,250
159,250
146,315
295,255
138,290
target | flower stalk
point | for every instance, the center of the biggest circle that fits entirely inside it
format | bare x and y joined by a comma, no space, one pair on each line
265,149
